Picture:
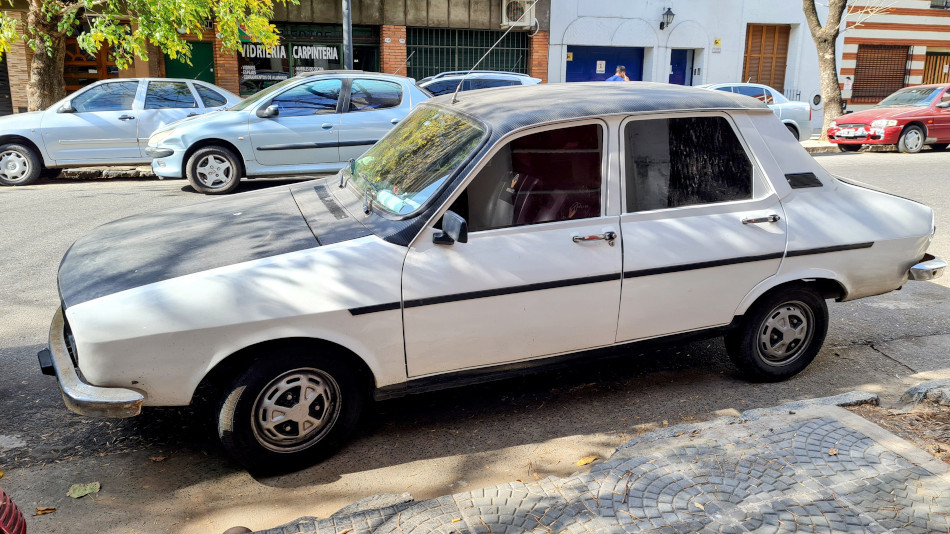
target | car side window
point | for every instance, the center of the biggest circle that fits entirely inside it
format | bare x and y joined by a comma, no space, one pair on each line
209,97
755,92
442,87
485,83
554,175
366,95
165,95
112,96
727,89
670,163
315,98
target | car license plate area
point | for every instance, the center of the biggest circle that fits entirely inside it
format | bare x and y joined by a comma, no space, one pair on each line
852,132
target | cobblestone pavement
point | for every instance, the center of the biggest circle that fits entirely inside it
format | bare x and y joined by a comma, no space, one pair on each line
814,470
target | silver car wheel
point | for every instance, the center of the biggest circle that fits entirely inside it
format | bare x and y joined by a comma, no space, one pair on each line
785,333
214,171
14,166
295,410
913,140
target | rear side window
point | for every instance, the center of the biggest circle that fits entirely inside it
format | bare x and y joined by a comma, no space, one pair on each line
755,92
164,95
112,96
314,98
485,83
368,95
211,99
686,161
442,87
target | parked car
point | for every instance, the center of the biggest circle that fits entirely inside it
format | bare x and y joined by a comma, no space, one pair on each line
312,123
477,240
11,519
106,123
796,116
910,118
447,82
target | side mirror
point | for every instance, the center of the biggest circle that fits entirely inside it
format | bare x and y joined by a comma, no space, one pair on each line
67,107
268,112
945,104
454,228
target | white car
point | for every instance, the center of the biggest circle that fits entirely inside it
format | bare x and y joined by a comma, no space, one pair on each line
478,239
106,123
796,116
447,82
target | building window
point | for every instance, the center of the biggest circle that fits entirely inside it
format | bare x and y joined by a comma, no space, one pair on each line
937,68
940,4
766,55
879,71
435,50
81,68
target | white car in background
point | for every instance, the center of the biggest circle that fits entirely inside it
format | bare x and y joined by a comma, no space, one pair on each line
106,123
447,82
796,116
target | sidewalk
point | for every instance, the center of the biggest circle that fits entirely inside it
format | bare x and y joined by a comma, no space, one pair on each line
808,467
814,146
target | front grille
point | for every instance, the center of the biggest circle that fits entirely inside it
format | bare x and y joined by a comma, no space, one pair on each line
865,126
11,520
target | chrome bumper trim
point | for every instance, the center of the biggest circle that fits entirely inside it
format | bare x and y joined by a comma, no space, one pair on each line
929,268
156,152
79,396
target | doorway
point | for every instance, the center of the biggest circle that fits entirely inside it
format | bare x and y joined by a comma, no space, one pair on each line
201,68
597,63
6,103
681,66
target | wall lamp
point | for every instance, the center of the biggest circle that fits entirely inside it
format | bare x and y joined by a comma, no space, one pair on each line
667,18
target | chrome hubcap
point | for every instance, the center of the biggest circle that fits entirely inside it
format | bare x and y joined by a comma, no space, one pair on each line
296,410
14,166
214,171
785,333
912,140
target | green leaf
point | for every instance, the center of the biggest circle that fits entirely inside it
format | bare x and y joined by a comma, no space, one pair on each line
77,491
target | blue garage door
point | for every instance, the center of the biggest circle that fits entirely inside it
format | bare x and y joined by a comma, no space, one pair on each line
582,62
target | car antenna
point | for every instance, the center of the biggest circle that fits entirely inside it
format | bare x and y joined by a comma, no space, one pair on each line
404,63
455,95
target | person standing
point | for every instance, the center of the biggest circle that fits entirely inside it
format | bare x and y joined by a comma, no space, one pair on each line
620,76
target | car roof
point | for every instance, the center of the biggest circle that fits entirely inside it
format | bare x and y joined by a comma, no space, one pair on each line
345,72
508,108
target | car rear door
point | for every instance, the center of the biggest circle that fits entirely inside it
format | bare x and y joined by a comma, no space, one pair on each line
166,101
701,225
371,109
306,130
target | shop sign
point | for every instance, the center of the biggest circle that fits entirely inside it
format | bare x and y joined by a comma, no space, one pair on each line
249,50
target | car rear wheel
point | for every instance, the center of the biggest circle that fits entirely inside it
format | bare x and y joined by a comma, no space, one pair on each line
793,130
214,170
849,148
939,147
912,140
289,411
19,165
779,335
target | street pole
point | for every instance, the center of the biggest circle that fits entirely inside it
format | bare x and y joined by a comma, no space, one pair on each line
347,36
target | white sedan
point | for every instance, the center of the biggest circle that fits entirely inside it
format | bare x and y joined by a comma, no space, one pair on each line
478,239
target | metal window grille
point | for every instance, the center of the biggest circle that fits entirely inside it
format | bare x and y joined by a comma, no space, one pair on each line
435,50
879,71
940,4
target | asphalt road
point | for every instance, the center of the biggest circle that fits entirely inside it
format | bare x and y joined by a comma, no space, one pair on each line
428,445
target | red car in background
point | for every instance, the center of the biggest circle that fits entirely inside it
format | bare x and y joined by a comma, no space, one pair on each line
11,520
910,118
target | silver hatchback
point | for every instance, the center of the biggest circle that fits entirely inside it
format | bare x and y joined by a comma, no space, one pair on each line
106,123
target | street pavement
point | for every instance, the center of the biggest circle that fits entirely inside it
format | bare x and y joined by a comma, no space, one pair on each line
164,471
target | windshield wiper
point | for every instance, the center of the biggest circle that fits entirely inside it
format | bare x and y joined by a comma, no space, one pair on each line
367,199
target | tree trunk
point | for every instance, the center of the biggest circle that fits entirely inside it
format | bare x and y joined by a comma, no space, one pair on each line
830,89
46,84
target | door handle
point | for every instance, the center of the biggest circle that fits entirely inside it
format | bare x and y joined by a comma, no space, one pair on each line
609,237
192,114
326,126
394,121
126,117
767,219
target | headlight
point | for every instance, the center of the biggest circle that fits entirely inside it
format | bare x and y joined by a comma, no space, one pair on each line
157,139
881,123
833,124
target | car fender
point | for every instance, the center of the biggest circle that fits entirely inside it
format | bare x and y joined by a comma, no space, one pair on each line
805,275
30,133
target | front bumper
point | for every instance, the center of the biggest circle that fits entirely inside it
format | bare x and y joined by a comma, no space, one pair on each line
80,396
170,165
929,268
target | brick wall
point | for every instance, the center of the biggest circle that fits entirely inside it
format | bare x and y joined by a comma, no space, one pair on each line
18,67
538,55
226,73
392,49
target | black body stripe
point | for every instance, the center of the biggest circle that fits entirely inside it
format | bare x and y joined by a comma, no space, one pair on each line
824,250
700,265
303,146
374,308
358,142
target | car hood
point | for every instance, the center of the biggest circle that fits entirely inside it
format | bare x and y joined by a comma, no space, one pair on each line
145,249
21,121
868,115
205,122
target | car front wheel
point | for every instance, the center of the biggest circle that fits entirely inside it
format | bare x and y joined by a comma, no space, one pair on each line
779,335
19,165
289,411
213,170
911,140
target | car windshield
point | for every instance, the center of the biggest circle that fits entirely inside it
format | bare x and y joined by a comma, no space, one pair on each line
261,95
409,165
915,96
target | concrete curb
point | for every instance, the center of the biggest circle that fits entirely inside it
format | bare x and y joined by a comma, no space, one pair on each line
106,173
933,392
819,147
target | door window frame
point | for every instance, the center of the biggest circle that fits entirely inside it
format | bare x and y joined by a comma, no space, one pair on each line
344,106
199,104
762,189
138,100
344,84
487,156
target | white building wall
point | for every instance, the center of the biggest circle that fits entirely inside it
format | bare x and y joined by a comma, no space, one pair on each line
697,24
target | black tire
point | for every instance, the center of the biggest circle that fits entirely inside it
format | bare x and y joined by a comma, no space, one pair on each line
19,165
911,140
849,148
757,358
793,130
214,170
939,147
333,411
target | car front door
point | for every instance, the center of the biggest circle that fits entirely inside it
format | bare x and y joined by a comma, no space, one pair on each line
372,108
165,102
306,130
701,225
540,272
941,127
103,128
